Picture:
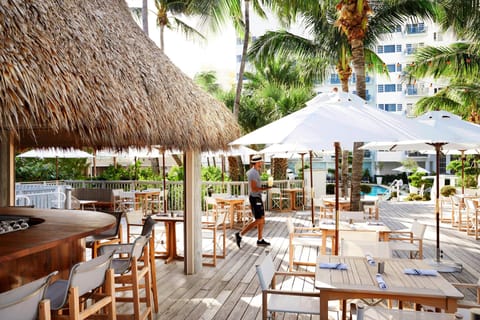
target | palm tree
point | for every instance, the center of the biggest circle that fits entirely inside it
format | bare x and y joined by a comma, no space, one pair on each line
458,63
168,12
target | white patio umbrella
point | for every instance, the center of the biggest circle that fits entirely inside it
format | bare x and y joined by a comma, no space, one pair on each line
447,132
55,153
332,119
409,170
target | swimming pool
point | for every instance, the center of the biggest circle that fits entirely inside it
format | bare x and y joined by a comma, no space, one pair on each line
376,190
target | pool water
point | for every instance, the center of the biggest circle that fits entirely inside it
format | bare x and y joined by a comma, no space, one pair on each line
376,190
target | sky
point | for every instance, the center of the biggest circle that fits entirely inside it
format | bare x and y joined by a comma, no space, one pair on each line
191,57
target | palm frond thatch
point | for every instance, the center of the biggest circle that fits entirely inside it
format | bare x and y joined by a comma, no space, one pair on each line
82,73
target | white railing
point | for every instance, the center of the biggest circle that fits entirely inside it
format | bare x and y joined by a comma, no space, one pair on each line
48,195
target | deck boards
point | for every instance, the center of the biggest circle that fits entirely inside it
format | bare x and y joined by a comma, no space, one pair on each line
230,290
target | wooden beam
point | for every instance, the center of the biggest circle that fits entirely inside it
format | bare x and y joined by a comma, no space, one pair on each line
7,169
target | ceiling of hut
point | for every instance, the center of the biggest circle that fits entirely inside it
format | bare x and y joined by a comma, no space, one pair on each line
82,73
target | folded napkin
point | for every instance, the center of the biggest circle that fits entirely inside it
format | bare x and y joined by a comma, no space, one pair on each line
375,223
370,259
421,272
333,265
327,221
380,281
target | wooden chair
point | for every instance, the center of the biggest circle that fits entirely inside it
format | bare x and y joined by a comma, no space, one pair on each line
465,306
458,212
134,219
472,211
109,236
371,210
26,302
278,200
216,226
131,266
286,301
88,291
326,211
409,240
302,237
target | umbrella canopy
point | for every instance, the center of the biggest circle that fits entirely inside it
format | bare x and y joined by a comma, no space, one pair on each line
55,153
330,119
410,170
82,73
446,132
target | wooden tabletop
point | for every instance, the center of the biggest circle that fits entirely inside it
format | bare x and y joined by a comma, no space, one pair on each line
59,226
359,281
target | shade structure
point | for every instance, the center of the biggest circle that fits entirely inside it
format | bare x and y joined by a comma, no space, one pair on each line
55,153
333,118
445,131
82,73
410,170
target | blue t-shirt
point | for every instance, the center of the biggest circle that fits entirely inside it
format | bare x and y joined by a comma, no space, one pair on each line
254,175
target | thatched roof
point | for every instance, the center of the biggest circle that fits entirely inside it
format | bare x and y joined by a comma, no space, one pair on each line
82,73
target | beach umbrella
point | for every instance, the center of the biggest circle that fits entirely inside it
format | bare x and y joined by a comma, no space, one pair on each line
55,153
331,119
446,131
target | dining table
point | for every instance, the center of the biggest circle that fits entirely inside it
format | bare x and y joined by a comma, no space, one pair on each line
170,221
349,277
343,203
232,202
292,192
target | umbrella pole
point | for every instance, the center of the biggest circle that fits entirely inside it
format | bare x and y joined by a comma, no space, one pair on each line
303,178
337,215
463,170
441,266
311,189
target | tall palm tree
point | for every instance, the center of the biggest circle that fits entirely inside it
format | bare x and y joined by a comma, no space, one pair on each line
168,16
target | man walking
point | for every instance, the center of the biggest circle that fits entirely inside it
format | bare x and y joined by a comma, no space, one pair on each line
256,204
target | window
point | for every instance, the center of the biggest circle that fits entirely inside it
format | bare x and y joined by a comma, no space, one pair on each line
334,79
390,88
391,107
389,48
239,58
399,47
399,107
412,89
399,67
412,47
391,68
380,88
379,49
353,78
416,28
399,87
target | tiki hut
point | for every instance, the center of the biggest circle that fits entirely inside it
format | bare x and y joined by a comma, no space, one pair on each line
82,73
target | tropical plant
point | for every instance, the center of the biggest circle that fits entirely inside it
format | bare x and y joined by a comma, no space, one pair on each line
176,173
213,174
471,170
32,169
448,191
416,180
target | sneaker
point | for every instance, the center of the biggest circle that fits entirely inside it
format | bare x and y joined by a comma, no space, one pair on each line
262,243
238,239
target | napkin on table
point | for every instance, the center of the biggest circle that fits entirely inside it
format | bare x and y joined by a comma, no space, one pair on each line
380,281
375,223
333,265
421,272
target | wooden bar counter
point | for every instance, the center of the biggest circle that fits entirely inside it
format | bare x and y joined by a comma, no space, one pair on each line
56,243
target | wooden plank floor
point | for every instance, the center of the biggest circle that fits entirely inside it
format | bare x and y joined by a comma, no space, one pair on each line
230,290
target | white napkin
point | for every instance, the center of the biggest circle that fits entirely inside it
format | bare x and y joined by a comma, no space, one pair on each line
375,223
370,259
327,221
380,281
421,272
333,265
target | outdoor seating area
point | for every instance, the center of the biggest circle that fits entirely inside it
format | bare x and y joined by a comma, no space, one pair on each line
461,211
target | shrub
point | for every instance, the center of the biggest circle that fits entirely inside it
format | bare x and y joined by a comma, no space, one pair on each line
448,191
365,188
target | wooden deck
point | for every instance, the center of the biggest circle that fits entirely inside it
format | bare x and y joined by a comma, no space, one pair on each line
230,290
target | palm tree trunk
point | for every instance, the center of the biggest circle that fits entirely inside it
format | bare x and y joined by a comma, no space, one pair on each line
162,38
357,164
358,61
145,16
236,104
